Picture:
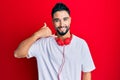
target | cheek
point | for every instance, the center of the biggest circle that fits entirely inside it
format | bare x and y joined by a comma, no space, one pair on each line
70,21
67,23
56,24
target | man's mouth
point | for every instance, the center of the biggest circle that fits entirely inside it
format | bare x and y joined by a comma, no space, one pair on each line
62,29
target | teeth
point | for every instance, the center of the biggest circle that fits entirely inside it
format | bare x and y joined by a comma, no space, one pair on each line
62,29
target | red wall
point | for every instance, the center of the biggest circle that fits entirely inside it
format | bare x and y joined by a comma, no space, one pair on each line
97,21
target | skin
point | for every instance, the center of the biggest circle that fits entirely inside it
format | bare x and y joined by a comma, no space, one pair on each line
62,21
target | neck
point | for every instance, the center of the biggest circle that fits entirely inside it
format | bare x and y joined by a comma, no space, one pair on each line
67,35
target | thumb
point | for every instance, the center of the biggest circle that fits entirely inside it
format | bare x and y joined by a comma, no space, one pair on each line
45,25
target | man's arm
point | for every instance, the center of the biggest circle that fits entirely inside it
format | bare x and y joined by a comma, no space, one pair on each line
24,46
86,76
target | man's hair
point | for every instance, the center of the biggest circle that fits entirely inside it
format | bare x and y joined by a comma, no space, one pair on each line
60,7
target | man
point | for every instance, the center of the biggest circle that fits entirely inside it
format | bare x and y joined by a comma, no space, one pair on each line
62,56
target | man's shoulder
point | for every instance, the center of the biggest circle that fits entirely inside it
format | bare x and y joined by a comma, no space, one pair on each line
78,38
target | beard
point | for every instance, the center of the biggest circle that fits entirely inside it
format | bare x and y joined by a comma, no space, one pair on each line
62,33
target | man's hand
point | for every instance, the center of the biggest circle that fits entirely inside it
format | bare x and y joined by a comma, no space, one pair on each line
24,46
43,32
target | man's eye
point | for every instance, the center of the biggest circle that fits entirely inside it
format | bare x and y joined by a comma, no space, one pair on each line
56,20
65,19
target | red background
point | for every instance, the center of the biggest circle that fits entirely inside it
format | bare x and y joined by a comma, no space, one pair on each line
97,21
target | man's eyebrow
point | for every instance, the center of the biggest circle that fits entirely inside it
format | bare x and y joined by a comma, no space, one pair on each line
55,18
58,18
65,17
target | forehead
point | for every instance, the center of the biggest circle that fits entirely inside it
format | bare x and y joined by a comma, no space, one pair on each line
60,14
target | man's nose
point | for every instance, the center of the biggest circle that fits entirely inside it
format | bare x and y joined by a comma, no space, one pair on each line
61,23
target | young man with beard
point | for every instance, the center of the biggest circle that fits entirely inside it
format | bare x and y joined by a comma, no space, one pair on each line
62,56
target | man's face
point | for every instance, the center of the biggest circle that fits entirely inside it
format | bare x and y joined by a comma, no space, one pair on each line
61,21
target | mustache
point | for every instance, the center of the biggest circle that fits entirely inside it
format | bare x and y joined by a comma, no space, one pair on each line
62,27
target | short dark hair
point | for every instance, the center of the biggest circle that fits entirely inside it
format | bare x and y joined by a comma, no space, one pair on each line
60,7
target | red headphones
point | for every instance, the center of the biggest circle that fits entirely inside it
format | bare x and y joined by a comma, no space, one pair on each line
65,42
62,43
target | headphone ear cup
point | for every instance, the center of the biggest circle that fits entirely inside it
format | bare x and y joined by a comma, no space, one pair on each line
59,41
67,41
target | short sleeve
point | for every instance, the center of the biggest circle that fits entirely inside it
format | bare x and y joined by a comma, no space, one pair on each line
35,49
87,61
